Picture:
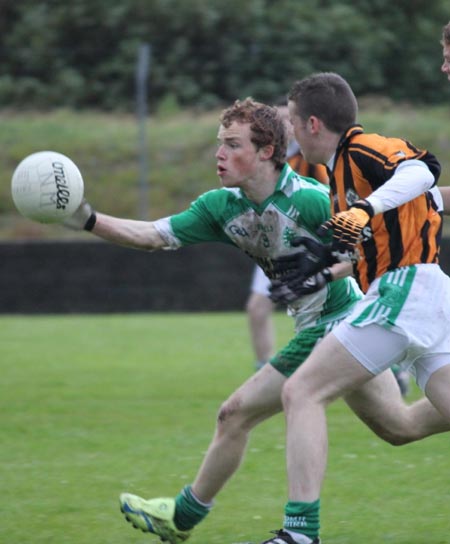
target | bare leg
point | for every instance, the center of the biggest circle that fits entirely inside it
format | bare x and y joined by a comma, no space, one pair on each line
329,372
379,404
437,390
262,332
256,400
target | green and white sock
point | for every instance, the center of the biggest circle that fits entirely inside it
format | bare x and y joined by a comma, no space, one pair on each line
189,510
303,518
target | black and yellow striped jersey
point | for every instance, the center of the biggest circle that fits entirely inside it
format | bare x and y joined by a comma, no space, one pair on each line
409,234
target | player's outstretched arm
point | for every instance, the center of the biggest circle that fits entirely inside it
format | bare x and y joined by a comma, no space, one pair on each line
124,232
128,232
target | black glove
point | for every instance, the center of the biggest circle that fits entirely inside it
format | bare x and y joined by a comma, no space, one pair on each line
311,258
83,217
280,293
292,286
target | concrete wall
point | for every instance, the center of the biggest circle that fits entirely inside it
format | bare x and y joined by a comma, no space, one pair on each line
97,277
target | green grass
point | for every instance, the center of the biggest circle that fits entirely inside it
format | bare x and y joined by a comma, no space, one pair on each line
181,155
95,405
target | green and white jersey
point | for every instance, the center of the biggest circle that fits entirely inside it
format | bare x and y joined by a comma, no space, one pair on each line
297,207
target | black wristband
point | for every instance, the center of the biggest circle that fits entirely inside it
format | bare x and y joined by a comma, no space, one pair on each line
364,205
90,223
326,273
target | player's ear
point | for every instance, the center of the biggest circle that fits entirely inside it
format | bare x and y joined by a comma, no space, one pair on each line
314,124
266,152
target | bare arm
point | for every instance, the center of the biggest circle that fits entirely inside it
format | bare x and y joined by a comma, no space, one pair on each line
128,232
124,232
341,270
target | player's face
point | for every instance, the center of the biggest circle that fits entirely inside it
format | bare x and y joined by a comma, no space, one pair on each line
237,157
302,134
446,65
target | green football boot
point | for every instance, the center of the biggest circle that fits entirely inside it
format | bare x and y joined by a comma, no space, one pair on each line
153,516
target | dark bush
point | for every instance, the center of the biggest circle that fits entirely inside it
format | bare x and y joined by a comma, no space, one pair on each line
83,53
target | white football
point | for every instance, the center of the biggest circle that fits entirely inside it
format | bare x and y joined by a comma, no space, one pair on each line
47,187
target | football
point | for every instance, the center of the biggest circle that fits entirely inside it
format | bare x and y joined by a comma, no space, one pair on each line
47,187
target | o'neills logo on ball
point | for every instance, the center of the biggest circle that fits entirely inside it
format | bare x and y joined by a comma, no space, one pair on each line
62,188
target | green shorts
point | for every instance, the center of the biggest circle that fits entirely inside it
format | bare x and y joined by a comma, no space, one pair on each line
289,358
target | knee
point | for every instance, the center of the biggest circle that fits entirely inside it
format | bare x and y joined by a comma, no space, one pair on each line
395,437
230,417
289,395
258,307
250,304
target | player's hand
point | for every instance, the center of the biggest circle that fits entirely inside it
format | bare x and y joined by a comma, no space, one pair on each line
83,217
280,293
292,287
347,229
311,258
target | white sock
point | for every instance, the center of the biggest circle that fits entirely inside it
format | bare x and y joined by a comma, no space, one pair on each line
299,538
201,503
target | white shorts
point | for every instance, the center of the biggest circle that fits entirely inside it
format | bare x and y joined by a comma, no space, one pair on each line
403,319
260,282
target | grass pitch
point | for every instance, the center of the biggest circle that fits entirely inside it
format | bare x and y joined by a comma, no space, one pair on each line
95,405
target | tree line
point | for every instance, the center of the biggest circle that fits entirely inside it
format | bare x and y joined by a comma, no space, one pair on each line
82,54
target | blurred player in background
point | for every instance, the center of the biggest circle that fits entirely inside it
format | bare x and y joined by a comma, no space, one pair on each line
262,207
445,42
445,68
259,306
